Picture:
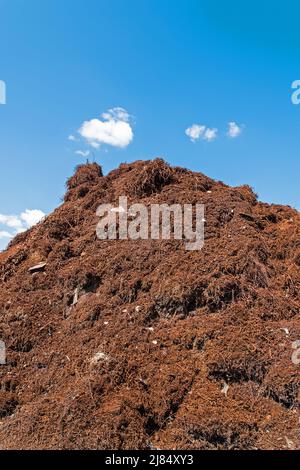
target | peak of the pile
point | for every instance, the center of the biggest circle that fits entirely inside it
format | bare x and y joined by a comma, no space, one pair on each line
141,178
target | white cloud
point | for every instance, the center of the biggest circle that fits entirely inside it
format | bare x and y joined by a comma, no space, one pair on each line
72,138
4,234
118,114
195,131
234,130
11,221
210,134
114,129
32,217
20,223
199,131
83,153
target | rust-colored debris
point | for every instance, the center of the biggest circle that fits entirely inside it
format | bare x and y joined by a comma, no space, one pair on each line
142,344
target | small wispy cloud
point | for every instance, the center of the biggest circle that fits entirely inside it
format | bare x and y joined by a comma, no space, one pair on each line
32,216
4,234
210,134
112,129
117,114
195,132
72,138
83,153
199,131
11,221
234,130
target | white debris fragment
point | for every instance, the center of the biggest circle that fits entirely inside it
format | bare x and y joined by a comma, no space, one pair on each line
76,295
37,267
290,443
150,328
154,342
99,357
225,389
137,308
106,323
296,353
286,330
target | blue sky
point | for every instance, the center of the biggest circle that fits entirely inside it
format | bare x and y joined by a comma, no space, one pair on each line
169,65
